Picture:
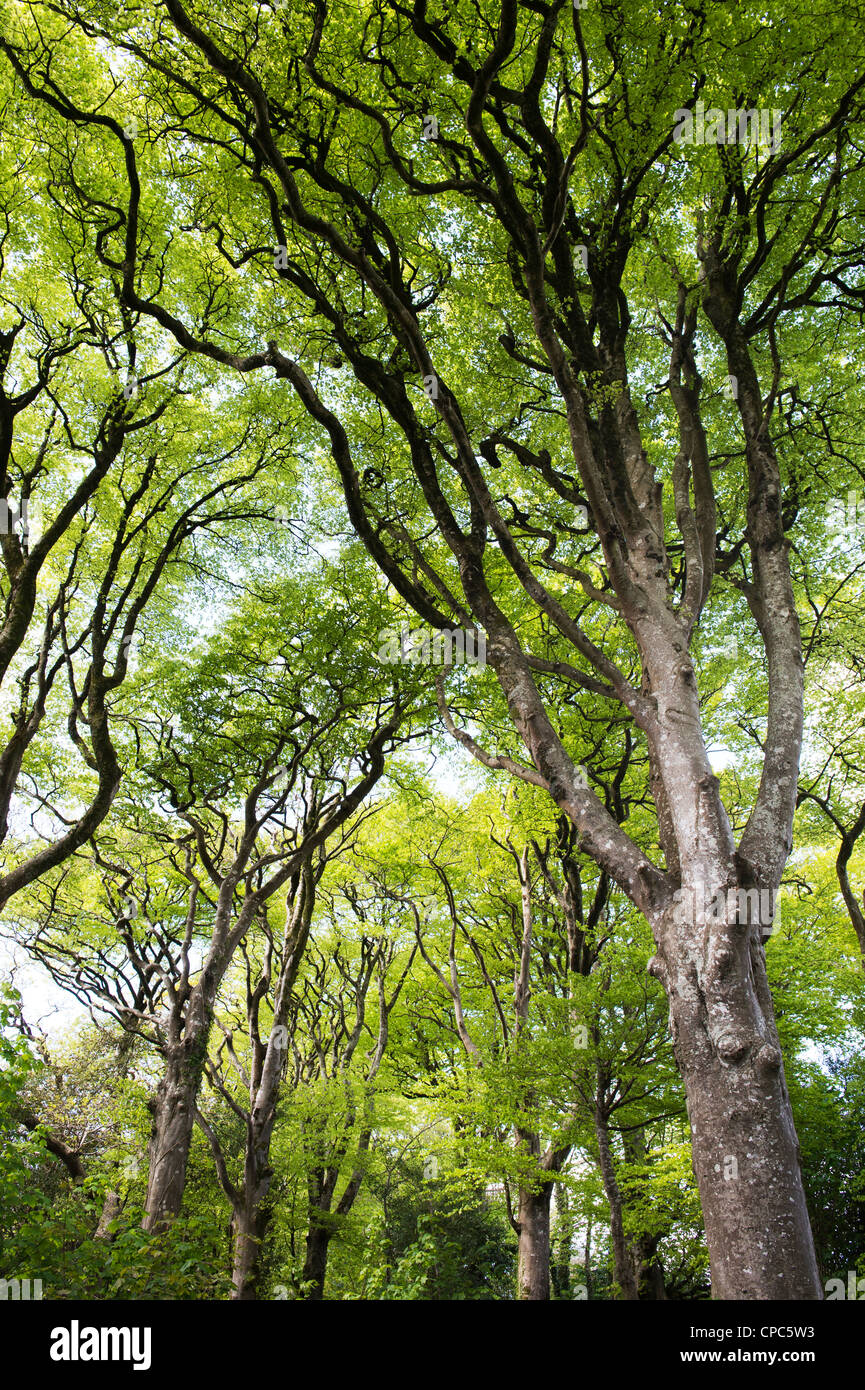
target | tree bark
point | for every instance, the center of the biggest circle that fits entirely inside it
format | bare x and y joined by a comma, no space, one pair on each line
185,1050
745,1150
315,1265
171,1131
533,1259
111,1209
249,1226
623,1269
648,1270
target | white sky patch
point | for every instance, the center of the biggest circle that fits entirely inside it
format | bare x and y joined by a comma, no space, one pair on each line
721,758
47,1008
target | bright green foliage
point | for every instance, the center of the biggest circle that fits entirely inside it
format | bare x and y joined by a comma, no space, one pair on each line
262,630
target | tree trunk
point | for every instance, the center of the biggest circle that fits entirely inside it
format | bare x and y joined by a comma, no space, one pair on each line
533,1262
111,1209
249,1225
171,1131
315,1264
648,1270
190,1021
848,844
744,1145
560,1270
252,1208
251,1204
623,1269
745,1151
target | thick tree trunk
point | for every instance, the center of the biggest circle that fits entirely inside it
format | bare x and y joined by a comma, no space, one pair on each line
745,1150
171,1131
623,1269
746,1160
189,1025
533,1260
315,1264
249,1225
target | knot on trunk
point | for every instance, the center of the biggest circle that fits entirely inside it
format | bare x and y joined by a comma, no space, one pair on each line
732,1047
768,1059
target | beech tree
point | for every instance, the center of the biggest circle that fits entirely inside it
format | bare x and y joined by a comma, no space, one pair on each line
107,486
265,758
261,1071
571,290
311,1040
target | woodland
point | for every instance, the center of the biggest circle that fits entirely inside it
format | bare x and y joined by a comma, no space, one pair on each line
432,671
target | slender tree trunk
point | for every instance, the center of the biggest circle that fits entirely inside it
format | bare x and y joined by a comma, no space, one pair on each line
111,1209
648,1270
533,1260
252,1210
561,1267
848,844
623,1269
